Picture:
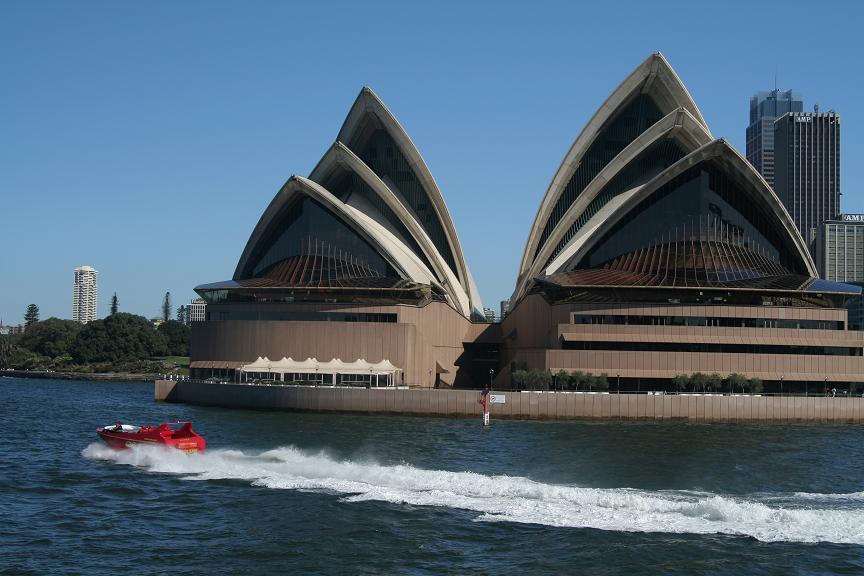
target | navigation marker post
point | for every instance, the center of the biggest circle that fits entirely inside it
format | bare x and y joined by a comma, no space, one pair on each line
486,411
485,398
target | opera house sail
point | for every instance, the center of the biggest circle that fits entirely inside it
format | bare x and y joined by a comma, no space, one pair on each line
360,261
657,251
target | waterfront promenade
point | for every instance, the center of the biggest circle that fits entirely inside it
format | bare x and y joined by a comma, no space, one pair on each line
534,405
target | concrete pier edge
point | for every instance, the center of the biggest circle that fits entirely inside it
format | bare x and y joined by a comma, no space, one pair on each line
552,405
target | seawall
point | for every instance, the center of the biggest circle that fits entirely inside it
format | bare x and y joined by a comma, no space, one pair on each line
102,376
517,405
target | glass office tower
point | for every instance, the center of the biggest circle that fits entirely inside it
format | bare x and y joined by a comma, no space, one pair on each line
765,107
807,169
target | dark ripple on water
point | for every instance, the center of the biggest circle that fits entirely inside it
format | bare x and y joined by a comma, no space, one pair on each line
305,493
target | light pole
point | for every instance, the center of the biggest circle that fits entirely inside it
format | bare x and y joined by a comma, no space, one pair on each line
491,373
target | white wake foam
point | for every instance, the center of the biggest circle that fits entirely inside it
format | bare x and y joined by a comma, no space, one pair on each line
801,517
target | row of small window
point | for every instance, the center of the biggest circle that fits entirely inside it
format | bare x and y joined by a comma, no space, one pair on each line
712,348
708,321
305,316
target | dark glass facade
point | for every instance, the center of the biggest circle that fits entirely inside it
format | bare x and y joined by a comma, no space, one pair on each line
613,137
713,347
348,186
706,321
807,169
646,166
378,151
305,228
765,108
299,316
699,203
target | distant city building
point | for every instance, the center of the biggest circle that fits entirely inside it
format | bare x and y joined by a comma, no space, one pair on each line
489,313
765,108
807,169
505,307
840,257
7,330
198,310
84,295
840,249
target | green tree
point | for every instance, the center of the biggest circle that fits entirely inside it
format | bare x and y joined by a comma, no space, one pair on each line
166,307
176,337
562,380
114,303
119,337
737,382
7,348
23,358
715,381
520,379
579,379
539,379
681,382
31,316
183,314
698,381
51,337
601,382
754,386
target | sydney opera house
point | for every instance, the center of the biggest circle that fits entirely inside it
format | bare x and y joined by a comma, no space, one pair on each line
657,251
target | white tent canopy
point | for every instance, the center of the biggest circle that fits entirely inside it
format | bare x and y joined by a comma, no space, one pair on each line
347,371
259,365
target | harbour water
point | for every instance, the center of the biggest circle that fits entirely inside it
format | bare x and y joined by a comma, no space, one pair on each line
280,492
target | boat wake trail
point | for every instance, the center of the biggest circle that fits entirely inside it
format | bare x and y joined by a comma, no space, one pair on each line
796,517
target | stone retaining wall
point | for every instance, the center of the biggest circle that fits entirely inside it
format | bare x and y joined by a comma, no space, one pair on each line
518,405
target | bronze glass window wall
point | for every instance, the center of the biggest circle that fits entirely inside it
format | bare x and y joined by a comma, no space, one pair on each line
302,316
634,320
712,347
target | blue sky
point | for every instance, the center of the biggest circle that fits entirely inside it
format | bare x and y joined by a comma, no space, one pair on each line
146,139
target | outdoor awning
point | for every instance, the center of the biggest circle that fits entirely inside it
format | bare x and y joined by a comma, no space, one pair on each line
312,366
215,364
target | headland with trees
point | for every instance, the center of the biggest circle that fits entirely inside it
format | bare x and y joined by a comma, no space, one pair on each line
120,343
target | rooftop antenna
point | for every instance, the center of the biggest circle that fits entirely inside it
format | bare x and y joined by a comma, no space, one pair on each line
775,77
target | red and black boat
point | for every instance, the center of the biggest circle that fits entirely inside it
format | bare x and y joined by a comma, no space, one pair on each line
174,435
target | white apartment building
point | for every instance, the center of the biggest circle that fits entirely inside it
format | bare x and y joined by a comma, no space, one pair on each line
198,310
84,295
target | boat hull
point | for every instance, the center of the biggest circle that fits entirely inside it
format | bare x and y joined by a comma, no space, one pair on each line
184,438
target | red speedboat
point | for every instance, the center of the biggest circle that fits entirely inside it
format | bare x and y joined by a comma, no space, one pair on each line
175,435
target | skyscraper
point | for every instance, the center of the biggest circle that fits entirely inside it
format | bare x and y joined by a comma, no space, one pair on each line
765,107
84,295
807,169
505,307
